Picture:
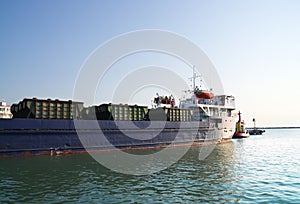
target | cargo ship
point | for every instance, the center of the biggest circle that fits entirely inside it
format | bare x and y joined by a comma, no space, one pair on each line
51,127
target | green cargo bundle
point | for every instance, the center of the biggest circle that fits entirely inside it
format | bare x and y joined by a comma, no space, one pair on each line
115,112
178,114
57,109
47,109
169,114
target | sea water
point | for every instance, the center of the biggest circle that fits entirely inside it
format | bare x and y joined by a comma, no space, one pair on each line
259,169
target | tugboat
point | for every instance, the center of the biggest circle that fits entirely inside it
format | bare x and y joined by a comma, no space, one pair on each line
240,131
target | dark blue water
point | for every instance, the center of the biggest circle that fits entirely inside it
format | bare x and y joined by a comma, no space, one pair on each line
259,169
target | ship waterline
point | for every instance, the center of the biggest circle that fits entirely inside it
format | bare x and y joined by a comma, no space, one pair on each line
48,137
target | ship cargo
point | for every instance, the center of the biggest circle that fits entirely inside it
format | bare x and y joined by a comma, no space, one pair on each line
114,112
47,109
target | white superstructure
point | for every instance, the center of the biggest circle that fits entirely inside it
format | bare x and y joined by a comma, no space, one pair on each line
5,110
220,107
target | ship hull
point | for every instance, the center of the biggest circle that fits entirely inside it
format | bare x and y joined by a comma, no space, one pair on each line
228,125
26,137
240,135
256,132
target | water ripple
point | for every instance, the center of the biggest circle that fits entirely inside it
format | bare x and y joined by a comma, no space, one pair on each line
261,169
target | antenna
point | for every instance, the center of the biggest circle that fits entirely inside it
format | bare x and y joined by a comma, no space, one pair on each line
194,78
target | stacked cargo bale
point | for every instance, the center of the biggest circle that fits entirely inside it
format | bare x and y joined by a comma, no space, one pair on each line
137,113
14,109
47,109
185,115
169,114
178,114
122,112
94,113
88,113
115,112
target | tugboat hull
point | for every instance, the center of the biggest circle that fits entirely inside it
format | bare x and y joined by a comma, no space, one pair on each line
240,135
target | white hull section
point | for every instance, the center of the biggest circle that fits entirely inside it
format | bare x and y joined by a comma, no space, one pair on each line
228,127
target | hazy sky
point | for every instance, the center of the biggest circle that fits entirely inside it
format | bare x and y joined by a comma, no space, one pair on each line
254,45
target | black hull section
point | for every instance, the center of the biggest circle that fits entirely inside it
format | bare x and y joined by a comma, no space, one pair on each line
256,132
37,137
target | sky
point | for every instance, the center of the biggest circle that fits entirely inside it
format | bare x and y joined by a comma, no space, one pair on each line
254,46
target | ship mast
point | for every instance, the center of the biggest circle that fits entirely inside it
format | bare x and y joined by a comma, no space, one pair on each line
194,84
194,78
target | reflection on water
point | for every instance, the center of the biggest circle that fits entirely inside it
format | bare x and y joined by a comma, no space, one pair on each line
257,169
